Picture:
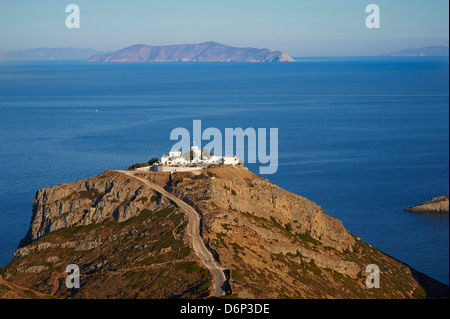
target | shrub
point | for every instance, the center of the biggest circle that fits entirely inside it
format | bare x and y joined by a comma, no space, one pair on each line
164,212
288,227
142,199
91,194
137,165
203,198
306,237
152,161
211,174
189,267
183,253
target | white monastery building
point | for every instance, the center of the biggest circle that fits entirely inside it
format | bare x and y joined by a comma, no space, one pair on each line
175,161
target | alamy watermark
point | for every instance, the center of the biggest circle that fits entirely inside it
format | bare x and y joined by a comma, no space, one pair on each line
260,148
373,19
73,19
73,279
373,279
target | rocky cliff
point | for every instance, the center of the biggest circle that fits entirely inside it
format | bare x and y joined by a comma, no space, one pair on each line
436,205
131,241
202,52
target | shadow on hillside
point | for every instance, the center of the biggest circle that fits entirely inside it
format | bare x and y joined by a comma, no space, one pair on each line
434,289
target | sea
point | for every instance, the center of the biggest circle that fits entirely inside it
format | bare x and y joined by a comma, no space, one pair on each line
362,137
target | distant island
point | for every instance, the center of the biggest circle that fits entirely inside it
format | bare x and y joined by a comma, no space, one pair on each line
202,52
50,54
440,50
436,205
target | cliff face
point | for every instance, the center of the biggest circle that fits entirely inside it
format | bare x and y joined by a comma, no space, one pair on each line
436,205
92,201
203,52
130,241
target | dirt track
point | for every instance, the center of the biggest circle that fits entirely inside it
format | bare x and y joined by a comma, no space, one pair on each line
194,231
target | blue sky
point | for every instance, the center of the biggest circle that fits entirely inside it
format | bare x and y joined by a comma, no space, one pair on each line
298,27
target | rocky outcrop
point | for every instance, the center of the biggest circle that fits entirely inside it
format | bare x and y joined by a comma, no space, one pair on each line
91,201
436,205
133,239
202,52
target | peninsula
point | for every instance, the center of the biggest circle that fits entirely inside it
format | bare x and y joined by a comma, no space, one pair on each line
202,52
212,231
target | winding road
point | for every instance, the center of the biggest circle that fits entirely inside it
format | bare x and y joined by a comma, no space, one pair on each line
193,231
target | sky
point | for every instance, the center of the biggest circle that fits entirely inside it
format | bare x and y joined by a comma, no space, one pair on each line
301,28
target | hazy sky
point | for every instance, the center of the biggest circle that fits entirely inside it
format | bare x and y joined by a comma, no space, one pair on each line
298,27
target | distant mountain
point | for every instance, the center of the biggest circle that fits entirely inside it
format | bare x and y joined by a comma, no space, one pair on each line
440,50
203,52
50,54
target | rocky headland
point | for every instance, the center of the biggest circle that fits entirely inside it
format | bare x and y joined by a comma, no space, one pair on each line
436,205
134,235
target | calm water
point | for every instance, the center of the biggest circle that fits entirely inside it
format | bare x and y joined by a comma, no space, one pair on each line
362,137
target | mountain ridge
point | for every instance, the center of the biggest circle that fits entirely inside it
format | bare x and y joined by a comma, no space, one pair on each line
440,50
44,53
203,52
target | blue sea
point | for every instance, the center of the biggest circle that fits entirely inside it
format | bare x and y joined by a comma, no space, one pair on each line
362,137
